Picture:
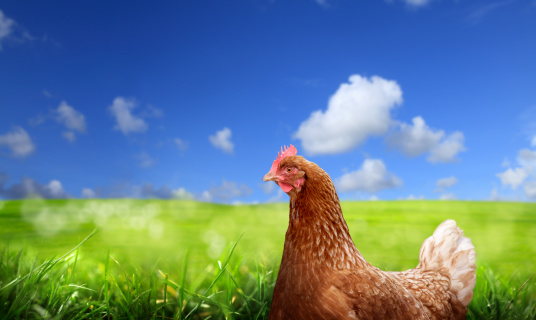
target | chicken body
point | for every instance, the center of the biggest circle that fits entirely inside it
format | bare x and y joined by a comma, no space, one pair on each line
324,276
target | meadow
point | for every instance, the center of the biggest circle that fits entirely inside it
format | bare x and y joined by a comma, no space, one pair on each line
164,259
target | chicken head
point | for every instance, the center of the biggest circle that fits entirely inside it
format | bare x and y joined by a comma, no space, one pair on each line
286,174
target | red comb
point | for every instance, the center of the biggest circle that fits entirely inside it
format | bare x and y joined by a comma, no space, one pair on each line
290,151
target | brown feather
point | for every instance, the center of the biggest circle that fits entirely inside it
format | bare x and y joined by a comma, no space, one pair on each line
324,276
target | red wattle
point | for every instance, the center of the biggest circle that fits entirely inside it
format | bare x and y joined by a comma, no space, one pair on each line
285,187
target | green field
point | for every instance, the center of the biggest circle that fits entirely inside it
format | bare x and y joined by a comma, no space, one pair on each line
139,241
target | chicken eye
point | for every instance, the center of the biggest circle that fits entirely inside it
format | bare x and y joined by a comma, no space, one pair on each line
289,169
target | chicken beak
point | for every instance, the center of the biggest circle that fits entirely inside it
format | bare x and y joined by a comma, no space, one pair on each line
270,176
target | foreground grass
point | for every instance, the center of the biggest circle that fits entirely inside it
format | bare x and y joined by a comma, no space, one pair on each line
63,288
156,259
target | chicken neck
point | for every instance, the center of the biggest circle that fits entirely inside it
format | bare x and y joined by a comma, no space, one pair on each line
317,233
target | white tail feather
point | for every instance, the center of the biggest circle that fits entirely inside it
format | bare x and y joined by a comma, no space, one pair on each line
452,254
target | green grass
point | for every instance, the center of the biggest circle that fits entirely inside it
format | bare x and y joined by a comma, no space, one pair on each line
182,260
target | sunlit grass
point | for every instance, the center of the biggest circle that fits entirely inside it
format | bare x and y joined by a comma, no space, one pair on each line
182,260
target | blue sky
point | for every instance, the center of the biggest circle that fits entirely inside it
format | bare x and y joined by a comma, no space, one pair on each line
192,99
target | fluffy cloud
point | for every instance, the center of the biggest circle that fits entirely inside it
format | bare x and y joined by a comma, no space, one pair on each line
530,189
18,141
29,188
513,178
121,109
11,31
445,183
222,140
447,150
359,109
181,193
72,119
372,177
527,158
226,191
6,27
414,140
522,175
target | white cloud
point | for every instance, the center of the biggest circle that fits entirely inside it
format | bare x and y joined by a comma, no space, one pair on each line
10,30
89,193
414,140
357,110
222,140
145,160
527,158
447,150
126,121
6,27
372,177
513,178
181,193
412,197
29,188
530,189
226,191
18,141
445,183
448,196
181,144
523,175
205,196
71,118
55,189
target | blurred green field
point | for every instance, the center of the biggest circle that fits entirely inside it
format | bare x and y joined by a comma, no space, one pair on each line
143,232
176,260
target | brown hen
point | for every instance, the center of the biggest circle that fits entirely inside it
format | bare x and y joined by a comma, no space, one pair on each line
323,275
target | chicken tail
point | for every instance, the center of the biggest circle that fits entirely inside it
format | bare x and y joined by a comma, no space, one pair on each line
451,253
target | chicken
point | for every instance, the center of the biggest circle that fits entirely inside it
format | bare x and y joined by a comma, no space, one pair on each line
324,276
